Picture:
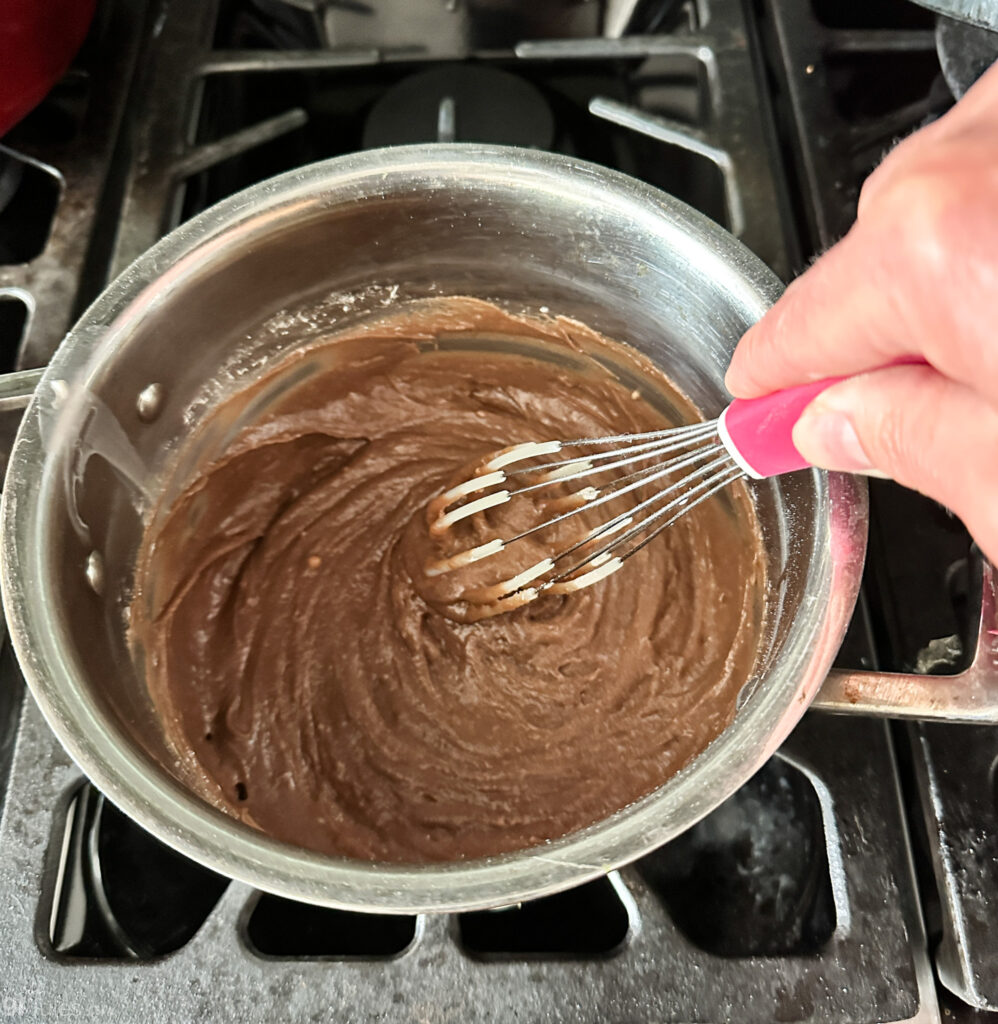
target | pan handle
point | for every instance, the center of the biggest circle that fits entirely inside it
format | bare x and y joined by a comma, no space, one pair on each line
17,388
970,696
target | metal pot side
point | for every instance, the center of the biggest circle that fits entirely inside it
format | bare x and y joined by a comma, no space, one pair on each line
525,229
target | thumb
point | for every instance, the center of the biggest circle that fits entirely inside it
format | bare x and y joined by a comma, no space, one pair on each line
911,423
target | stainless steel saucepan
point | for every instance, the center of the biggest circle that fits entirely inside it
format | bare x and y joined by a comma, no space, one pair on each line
181,328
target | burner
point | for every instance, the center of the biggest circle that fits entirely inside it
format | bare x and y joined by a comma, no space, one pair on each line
461,103
965,52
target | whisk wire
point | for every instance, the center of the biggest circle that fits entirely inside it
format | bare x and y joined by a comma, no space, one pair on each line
653,448
702,491
609,526
638,479
720,482
697,452
530,449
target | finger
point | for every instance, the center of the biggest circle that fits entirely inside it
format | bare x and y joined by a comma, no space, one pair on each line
924,430
917,282
831,321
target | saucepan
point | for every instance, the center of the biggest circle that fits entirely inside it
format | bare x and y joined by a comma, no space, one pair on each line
357,236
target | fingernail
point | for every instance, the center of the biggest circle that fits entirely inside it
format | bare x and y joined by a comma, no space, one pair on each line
828,439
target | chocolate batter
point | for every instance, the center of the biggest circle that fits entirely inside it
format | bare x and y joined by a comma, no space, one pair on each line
316,684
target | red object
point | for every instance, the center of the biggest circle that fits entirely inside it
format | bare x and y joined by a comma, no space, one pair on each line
38,40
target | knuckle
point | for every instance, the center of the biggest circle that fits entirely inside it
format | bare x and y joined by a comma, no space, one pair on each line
920,206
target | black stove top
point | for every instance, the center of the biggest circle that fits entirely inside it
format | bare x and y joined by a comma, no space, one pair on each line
857,869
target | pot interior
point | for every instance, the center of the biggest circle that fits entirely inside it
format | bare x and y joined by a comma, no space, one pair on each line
361,245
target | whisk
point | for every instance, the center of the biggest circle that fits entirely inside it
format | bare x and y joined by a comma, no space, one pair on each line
683,465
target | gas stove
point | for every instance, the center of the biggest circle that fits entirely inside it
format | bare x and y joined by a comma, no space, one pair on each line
855,877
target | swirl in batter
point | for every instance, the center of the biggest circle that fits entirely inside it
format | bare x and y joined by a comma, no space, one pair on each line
315,684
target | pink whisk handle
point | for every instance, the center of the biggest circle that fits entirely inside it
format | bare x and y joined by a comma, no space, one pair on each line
758,432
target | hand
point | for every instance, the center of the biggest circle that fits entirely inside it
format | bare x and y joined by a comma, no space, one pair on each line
916,276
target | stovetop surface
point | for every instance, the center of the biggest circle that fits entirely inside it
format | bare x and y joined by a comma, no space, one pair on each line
856,870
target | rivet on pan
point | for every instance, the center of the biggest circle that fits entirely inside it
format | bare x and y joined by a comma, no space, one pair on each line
95,572
150,402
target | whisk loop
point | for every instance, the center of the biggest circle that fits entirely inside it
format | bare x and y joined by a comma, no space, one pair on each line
684,465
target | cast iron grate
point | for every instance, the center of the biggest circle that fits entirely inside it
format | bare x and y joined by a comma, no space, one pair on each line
340,102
